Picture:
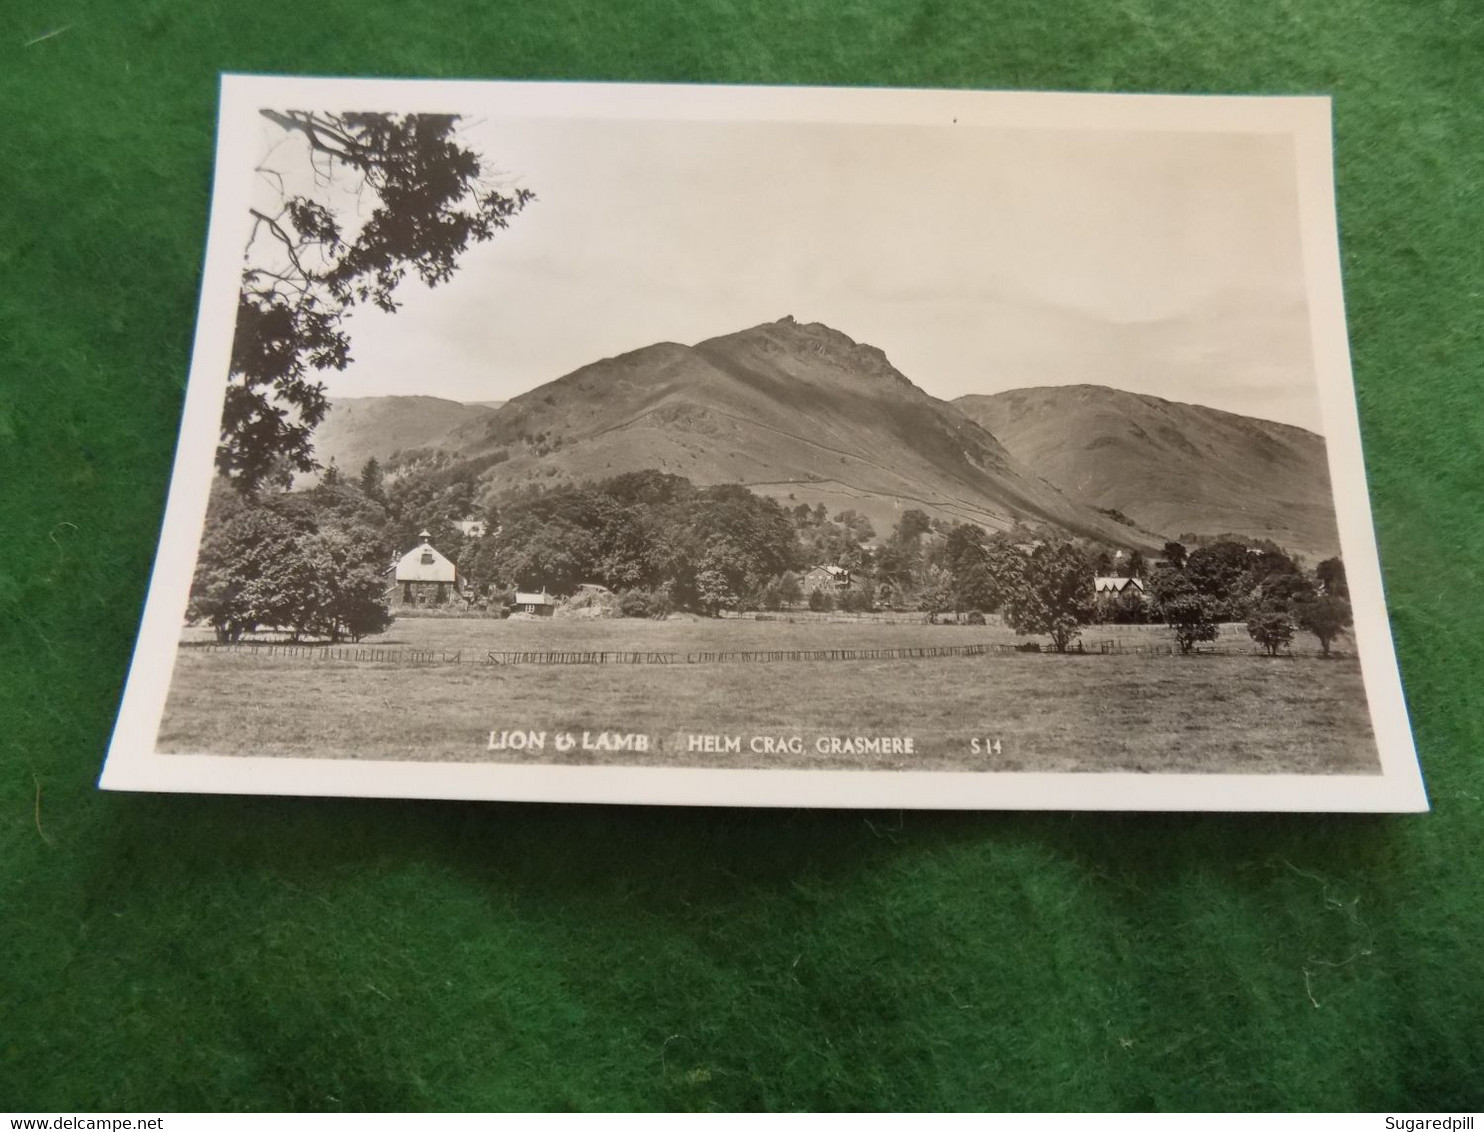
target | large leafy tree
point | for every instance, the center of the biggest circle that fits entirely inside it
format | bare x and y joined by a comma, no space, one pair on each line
1271,628
247,571
748,538
1331,575
421,198
1327,617
1221,572
1053,595
1184,608
309,562
972,565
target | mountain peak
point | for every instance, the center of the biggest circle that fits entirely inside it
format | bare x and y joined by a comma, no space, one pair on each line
816,346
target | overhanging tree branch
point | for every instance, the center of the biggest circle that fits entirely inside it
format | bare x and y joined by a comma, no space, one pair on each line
430,199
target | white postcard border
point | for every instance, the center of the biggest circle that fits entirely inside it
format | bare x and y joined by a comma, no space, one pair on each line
133,764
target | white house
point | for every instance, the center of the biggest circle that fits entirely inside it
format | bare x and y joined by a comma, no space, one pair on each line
423,576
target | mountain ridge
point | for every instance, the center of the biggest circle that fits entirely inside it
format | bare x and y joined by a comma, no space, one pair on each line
805,413
799,411
1171,466
359,428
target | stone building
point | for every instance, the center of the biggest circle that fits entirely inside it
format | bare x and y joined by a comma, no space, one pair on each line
423,576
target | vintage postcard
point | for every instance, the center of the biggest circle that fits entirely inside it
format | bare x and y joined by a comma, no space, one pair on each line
770,447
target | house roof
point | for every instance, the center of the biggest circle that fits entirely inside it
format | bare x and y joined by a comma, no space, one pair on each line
1114,585
534,599
424,564
834,571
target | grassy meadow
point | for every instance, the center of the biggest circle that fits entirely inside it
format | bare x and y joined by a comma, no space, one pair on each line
1236,713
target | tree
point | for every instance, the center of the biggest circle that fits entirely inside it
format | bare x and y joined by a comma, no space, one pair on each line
1221,572
967,557
1286,592
542,551
789,590
714,592
1191,614
1327,617
912,526
857,527
1053,595
748,537
424,198
937,592
371,479
344,595
244,570
1135,565
330,477
769,598
1192,617
895,565
1331,575
309,562
1174,554
1271,628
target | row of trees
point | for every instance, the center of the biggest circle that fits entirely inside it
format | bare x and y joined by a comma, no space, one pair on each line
1229,581
314,562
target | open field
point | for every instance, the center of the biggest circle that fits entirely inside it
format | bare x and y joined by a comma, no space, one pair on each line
1141,713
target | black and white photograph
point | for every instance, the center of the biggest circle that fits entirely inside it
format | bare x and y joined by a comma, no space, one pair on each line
757,446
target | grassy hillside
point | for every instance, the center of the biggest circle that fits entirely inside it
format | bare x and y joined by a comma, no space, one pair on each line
798,411
358,428
1171,467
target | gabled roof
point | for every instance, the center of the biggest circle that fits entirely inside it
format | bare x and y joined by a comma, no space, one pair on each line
534,599
424,564
1114,585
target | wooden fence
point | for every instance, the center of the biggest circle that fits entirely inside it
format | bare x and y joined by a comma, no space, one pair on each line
432,656
333,652
767,657
436,656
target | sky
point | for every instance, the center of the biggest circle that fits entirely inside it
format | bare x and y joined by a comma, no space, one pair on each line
979,259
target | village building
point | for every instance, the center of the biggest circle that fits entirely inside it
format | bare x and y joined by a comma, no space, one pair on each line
540,604
423,576
472,528
1109,589
1113,586
826,579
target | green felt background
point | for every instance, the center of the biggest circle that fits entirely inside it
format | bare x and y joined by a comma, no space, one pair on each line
184,952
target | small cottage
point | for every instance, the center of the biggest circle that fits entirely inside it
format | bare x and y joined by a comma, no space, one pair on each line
423,576
541,604
826,579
